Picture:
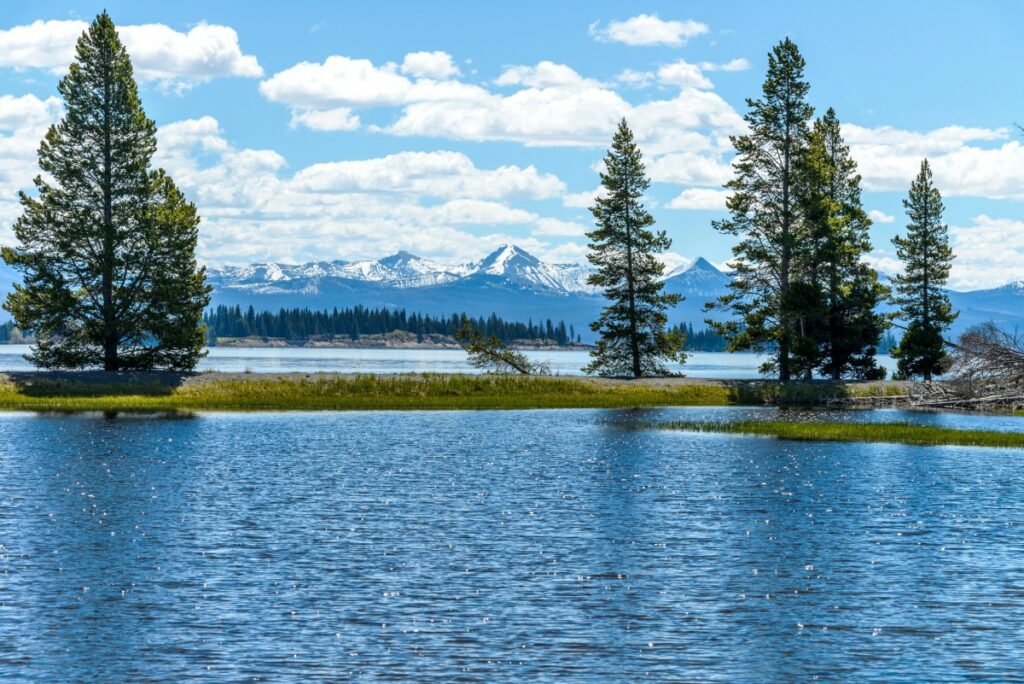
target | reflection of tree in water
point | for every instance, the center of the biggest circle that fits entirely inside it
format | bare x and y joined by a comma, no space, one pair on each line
102,500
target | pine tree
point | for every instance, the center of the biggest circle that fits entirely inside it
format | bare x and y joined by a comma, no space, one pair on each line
927,258
765,213
843,328
107,248
634,340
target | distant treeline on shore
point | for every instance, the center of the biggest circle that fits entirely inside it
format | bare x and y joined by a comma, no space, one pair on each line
351,323
304,324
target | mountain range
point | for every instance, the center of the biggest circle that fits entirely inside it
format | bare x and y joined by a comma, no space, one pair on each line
509,281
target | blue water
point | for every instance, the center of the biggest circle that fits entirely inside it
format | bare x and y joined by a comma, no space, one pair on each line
500,546
312,360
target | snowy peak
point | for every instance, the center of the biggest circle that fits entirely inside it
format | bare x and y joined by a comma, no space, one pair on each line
516,265
508,259
699,278
399,259
702,264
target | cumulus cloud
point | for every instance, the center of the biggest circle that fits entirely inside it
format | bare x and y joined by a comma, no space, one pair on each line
635,79
159,53
538,105
649,29
989,253
559,228
738,64
439,204
434,174
683,74
23,122
700,198
437,65
583,200
337,119
880,216
964,161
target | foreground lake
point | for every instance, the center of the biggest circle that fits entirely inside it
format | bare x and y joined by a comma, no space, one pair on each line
312,360
501,546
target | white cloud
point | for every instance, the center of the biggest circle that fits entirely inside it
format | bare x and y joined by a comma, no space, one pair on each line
649,29
635,79
989,253
683,74
700,198
337,119
559,228
695,167
550,105
23,122
964,161
434,174
338,81
437,65
738,64
881,217
438,204
159,53
583,200
544,75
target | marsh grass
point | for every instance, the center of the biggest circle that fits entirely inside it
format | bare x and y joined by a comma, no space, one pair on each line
896,433
365,392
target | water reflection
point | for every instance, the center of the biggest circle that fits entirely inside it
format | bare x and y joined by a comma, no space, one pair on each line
498,546
312,360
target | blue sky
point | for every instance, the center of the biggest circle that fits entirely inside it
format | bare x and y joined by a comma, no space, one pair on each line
350,130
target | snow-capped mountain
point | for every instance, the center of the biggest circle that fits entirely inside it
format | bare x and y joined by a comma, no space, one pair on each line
404,270
700,278
516,265
510,282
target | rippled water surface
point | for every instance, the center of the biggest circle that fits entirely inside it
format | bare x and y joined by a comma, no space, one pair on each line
500,546
312,360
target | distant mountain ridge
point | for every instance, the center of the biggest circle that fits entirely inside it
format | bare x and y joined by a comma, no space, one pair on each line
509,281
404,270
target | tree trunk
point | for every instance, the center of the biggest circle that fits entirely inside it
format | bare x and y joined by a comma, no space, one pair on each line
784,266
634,342
109,323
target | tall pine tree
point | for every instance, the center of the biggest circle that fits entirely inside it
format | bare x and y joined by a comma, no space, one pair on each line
845,328
107,248
766,214
927,258
634,340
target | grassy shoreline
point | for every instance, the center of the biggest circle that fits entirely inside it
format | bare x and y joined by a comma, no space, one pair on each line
255,392
891,433
98,391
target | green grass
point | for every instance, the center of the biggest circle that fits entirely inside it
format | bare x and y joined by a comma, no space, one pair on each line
896,433
366,392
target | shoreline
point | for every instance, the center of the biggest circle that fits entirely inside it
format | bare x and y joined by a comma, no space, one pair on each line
394,340
162,391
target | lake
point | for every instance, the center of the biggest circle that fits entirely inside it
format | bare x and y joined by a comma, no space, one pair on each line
502,546
312,360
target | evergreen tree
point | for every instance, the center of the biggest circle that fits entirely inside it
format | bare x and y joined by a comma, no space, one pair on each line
927,258
839,324
634,340
766,214
107,248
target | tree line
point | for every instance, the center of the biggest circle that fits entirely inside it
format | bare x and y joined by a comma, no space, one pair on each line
304,324
353,322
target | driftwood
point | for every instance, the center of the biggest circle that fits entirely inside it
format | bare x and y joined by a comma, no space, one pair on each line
987,373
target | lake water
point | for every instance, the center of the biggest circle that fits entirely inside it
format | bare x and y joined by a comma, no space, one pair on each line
501,546
305,360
